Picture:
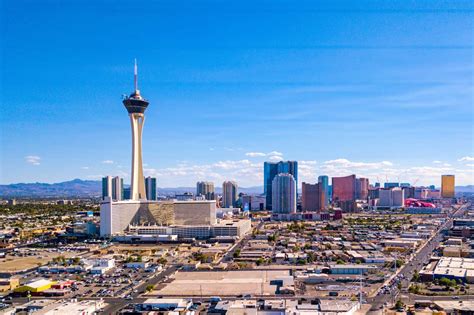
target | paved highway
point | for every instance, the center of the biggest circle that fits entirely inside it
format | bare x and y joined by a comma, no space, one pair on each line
115,304
227,257
416,263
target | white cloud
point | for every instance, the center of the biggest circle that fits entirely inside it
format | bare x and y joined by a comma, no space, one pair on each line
345,163
466,159
275,158
275,153
85,167
245,172
307,171
33,159
441,163
107,162
255,154
248,173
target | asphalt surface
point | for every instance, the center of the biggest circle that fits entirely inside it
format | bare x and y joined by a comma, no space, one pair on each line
416,263
239,245
116,304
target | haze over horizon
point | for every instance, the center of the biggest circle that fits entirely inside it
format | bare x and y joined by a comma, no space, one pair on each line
342,89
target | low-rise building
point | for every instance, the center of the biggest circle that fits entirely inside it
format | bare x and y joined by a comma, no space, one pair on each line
349,269
35,286
177,306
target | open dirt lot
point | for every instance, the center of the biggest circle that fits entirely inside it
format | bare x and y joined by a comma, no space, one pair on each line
222,283
14,263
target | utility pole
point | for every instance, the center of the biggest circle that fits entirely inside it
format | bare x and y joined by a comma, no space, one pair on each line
200,288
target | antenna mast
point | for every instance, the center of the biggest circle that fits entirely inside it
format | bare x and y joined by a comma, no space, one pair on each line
135,77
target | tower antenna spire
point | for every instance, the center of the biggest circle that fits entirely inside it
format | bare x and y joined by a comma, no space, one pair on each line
135,72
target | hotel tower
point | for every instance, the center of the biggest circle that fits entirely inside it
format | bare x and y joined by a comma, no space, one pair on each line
136,106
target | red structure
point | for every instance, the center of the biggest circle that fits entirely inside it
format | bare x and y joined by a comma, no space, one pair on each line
362,191
344,188
411,202
310,197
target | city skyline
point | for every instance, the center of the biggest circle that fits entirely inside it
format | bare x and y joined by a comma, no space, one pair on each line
336,100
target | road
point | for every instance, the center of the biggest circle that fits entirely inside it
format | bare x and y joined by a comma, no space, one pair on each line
230,253
416,263
115,304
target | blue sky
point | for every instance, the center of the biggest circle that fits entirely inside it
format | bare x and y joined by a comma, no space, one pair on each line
377,88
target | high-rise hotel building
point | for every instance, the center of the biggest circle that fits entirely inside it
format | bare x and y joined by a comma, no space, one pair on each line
362,188
112,187
229,194
129,219
150,188
205,189
271,170
312,197
284,194
344,188
323,182
447,186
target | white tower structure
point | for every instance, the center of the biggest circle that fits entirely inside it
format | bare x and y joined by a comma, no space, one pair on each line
136,106
284,194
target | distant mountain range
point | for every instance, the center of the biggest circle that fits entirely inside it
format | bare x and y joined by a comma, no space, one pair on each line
79,188
76,188
465,189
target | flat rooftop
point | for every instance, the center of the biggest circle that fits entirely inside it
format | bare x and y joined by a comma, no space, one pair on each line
223,283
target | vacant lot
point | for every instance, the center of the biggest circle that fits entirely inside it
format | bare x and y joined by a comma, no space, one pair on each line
15,263
223,283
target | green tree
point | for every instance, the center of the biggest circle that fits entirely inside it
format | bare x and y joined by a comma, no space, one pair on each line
446,282
399,304
237,253
162,261
415,289
416,276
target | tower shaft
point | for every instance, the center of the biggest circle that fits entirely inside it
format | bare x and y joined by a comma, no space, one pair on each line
136,106
137,189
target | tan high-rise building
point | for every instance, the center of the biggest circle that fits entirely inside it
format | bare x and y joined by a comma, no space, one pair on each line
447,186
205,189
229,194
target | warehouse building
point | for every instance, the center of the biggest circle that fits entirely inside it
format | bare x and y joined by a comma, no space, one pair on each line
35,287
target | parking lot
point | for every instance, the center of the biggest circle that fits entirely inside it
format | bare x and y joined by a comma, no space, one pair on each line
223,283
119,282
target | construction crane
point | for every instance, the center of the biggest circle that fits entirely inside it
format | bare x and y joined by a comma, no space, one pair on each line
416,181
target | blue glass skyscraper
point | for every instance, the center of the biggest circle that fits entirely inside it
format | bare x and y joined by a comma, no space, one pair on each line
150,188
323,182
272,169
